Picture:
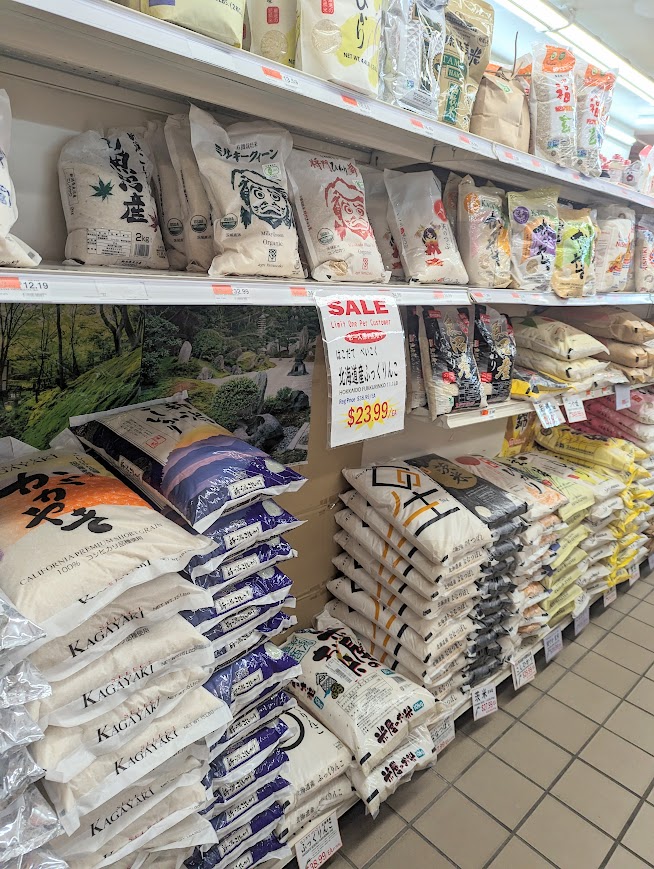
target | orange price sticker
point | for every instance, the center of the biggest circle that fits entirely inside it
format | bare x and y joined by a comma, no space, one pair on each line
509,155
299,291
417,123
222,289
349,101
9,283
271,73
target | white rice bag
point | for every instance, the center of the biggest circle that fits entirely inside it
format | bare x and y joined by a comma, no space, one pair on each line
273,26
553,104
534,226
644,259
483,234
164,181
327,799
555,338
594,98
377,205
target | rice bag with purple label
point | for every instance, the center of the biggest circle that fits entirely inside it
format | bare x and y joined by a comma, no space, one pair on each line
243,623
230,847
243,756
227,795
18,770
270,708
240,531
242,812
267,587
182,458
22,684
243,643
254,676
262,851
265,554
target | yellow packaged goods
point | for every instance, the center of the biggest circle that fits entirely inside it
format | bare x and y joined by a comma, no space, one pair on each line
573,371
340,40
220,19
594,98
573,265
608,452
273,29
501,110
468,37
534,223
579,496
553,104
529,384
554,338
483,235
58,511
615,323
519,435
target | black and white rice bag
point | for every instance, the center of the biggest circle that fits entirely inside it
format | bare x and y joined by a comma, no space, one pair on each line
495,350
18,770
183,459
26,823
22,684
415,378
449,368
352,694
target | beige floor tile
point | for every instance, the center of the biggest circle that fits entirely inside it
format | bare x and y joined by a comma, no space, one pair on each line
643,695
410,799
563,837
461,830
640,590
570,654
502,791
638,837
561,724
547,675
364,839
486,730
624,603
590,636
608,618
410,850
644,612
607,674
457,756
517,702
585,697
531,754
636,632
517,855
627,654
335,862
623,859
619,759
596,797
633,724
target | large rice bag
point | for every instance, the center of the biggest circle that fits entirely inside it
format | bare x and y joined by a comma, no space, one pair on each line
604,451
612,247
594,98
244,174
573,264
628,355
13,252
609,322
534,223
483,235
574,371
273,29
644,259
330,203
339,40
364,704
642,406
164,180
555,338
220,20
495,350
419,223
553,104
111,214
377,205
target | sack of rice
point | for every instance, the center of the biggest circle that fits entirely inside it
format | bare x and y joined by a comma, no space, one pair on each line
495,350
220,20
340,40
13,252
111,214
483,235
273,29
612,247
451,199
330,203
164,181
644,259
616,323
555,338
377,206
553,104
501,109
594,98
573,264
417,218
416,395
534,224
244,173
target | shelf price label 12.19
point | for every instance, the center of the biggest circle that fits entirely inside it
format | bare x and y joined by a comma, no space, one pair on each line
321,842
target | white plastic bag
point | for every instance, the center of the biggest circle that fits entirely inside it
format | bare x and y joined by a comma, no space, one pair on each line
377,205
534,227
164,180
594,98
553,104
644,259
483,234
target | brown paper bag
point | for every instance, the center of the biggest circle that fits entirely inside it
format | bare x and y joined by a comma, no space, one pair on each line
501,110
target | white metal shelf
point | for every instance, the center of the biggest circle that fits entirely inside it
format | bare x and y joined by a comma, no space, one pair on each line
102,40
87,285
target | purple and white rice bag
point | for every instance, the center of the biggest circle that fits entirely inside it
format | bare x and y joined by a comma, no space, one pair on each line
179,456
226,796
240,758
263,850
260,799
250,720
230,847
235,646
264,554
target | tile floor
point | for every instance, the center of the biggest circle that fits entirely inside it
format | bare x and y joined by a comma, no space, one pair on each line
562,775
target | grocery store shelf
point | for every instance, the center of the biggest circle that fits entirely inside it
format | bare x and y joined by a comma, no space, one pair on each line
101,40
88,285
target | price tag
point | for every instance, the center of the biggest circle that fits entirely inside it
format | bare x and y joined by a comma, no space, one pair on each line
321,842
357,104
28,288
230,290
548,413
133,290
364,340
471,144
283,79
574,408
443,733
553,643
634,571
301,292
487,413
452,298
484,701
479,297
523,670
622,396
610,596
582,621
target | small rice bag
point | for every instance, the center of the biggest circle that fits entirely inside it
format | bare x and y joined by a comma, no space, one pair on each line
449,368
556,339
594,97
495,350
534,223
164,181
273,29
223,21
573,264
483,235
451,199
612,247
419,223
244,174
377,205
644,259
110,211
183,459
553,104
361,702
330,204
13,252
417,396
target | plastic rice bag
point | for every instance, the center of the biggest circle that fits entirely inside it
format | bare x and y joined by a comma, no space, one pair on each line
534,224
377,205
555,338
553,104
17,728
413,41
21,685
25,824
221,21
451,199
573,264
612,247
229,796
644,259
111,214
244,174
164,180
594,98
273,29
330,204
17,633
340,41
417,218
13,252
17,771
495,350
417,397
483,235
245,563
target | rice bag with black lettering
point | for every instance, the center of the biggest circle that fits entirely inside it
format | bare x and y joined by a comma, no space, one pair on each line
238,634
227,796
242,564
495,351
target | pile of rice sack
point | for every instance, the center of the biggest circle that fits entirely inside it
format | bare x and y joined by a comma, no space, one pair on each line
162,736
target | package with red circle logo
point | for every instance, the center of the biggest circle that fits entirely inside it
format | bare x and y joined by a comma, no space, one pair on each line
483,234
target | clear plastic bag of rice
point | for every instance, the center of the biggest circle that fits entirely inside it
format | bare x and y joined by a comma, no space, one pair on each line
612,247
273,29
534,224
553,104
573,263
594,98
483,235
377,206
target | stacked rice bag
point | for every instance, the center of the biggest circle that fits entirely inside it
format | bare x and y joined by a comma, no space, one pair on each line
380,716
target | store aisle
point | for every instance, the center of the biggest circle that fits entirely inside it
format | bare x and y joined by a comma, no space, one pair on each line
562,774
